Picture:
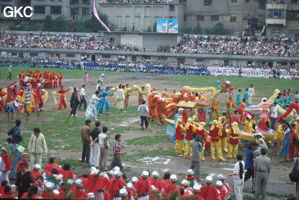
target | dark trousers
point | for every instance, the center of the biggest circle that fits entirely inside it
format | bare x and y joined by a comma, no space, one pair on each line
117,162
86,152
83,101
144,120
273,122
74,110
195,166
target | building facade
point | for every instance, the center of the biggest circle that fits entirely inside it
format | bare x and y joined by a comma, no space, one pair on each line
140,17
282,18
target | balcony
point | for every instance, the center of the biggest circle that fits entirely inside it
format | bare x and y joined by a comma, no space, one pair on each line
275,21
276,5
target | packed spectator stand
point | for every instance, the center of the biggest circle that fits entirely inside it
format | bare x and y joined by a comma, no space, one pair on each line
194,44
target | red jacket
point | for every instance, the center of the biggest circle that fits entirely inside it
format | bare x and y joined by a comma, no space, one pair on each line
157,183
67,174
25,196
209,192
35,174
223,192
143,186
214,134
6,162
165,183
48,168
179,133
115,185
172,187
78,194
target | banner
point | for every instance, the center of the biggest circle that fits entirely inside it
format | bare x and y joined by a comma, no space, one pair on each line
96,14
167,25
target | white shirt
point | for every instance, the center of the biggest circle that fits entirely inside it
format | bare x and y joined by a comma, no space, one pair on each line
82,92
274,112
237,169
251,91
102,137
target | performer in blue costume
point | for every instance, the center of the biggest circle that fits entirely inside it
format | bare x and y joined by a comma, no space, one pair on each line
171,128
218,84
104,104
279,100
238,100
246,97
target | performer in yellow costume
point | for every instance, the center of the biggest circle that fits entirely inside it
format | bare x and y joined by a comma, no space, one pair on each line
222,128
249,125
215,133
189,137
233,141
180,130
200,131
278,137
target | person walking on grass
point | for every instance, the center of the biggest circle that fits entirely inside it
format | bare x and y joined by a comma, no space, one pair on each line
143,113
117,153
238,177
85,138
83,97
104,147
196,146
94,145
37,148
262,165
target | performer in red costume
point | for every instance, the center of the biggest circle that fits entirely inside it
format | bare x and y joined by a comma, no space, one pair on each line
62,102
2,94
38,99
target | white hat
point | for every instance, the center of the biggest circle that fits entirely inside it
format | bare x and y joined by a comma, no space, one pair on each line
209,179
102,74
37,166
56,191
92,168
297,118
134,179
184,182
173,177
117,173
155,174
219,183
110,172
123,192
196,187
145,174
104,174
95,171
129,185
180,109
220,177
70,181
116,168
78,182
90,195
59,177
49,185
190,172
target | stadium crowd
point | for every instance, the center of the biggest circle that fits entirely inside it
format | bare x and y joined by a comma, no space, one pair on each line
58,41
237,46
285,47
139,1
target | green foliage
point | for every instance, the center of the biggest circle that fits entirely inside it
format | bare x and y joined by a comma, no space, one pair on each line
197,30
60,24
148,140
218,29
185,29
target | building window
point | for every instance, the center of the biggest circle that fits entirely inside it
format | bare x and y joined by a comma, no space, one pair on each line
75,11
137,16
39,9
70,55
86,1
214,17
207,2
56,10
200,18
85,11
33,54
74,1
118,16
246,1
233,19
234,1
171,7
295,1
276,14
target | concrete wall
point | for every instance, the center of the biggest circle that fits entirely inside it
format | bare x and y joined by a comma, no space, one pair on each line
139,17
132,39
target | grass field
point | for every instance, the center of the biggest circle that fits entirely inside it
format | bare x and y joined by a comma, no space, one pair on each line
63,137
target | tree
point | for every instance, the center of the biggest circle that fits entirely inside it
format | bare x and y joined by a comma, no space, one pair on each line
186,29
48,23
218,29
149,29
155,27
60,24
197,30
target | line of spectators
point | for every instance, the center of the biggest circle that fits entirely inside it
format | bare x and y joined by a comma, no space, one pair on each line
251,70
231,45
195,44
